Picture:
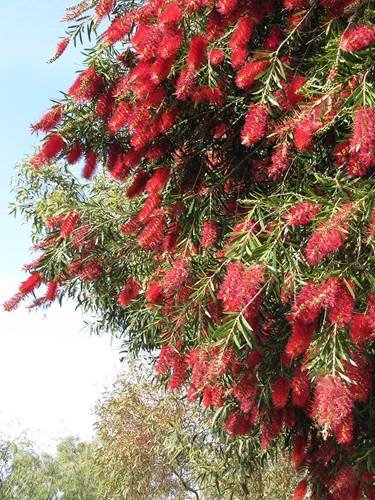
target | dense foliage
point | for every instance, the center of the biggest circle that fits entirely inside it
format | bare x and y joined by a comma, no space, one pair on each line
28,473
237,232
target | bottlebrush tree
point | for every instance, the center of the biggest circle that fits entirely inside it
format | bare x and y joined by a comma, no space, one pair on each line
235,227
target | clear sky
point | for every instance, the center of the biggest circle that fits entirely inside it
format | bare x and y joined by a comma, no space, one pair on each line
50,372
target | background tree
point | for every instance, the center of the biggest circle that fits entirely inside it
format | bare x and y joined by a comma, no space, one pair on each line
32,474
243,135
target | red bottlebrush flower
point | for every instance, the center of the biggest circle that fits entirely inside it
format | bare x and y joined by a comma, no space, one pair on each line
344,431
131,290
171,15
341,153
69,224
280,161
329,236
360,374
105,106
344,484
153,233
360,329
133,157
332,404
158,180
120,170
131,227
75,153
153,201
280,392
254,358
170,45
343,304
274,39
155,98
90,165
86,86
238,424
229,292
50,149
255,124
61,47
301,490
54,222
299,452
49,120
207,397
161,69
217,396
12,304
119,118
118,29
159,149
32,282
51,291
312,298
90,271
300,339
138,185
246,77
209,233
34,263
154,293
225,7
104,8
292,91
362,143
81,237
304,130
216,57
178,377
301,214
357,38
300,387
166,356
185,83
242,33
238,57
325,240
176,278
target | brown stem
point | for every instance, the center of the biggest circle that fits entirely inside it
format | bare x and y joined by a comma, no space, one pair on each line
185,484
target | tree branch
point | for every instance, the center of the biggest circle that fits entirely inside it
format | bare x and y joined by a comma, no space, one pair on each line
185,484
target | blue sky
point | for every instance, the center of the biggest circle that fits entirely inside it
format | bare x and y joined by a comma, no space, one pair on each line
50,372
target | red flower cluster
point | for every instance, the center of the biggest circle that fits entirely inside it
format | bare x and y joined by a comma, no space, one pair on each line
49,120
362,142
357,38
302,213
255,127
329,236
87,85
209,233
333,406
131,290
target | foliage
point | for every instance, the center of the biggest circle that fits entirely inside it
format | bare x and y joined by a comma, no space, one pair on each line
237,235
154,445
31,474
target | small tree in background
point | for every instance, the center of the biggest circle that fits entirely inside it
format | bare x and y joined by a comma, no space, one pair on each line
237,235
30,473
